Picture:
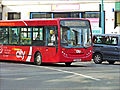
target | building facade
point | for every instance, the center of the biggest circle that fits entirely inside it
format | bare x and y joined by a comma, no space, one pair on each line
90,9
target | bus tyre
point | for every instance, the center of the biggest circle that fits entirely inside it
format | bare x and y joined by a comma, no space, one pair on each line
97,58
68,64
38,59
111,62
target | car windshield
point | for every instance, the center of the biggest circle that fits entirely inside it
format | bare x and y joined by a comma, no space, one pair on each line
75,33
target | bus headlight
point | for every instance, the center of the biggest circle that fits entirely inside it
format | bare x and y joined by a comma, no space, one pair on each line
64,53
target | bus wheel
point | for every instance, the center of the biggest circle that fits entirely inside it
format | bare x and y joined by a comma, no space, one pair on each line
38,59
97,58
68,64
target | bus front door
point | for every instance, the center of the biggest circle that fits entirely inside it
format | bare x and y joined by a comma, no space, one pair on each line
49,54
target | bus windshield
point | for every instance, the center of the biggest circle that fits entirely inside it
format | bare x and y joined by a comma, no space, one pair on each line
75,33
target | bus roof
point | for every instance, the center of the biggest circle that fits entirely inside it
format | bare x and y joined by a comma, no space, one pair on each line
34,22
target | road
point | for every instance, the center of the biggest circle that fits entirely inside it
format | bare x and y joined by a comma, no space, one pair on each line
79,76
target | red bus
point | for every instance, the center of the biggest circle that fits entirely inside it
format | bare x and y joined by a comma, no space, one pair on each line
46,40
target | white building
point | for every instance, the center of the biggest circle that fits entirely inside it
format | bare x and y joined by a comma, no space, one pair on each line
14,10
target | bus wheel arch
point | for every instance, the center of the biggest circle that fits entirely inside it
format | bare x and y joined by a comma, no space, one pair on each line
68,64
37,58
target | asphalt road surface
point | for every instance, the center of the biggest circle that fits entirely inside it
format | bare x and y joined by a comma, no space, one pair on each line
79,76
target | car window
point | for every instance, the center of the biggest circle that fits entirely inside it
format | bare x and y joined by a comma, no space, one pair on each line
99,39
112,40
109,40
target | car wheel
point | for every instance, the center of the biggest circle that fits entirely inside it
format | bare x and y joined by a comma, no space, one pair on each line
111,62
68,64
97,58
38,59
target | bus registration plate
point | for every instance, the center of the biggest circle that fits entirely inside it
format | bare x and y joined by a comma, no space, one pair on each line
77,60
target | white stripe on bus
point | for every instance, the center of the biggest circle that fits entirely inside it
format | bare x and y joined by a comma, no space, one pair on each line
30,54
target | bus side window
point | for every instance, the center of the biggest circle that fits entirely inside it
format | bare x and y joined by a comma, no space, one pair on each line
38,33
26,35
3,35
14,35
38,36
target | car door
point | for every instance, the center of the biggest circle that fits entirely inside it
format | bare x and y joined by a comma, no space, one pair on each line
110,49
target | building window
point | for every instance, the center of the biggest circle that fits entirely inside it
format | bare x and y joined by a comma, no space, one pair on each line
40,15
90,15
117,18
0,16
74,15
61,15
66,15
14,15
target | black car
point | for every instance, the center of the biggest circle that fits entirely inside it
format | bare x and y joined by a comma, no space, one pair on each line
106,47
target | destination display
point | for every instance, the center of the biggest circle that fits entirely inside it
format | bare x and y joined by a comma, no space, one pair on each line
75,23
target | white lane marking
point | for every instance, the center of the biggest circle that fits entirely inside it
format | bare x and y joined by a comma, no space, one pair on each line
13,78
64,71
20,78
86,76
